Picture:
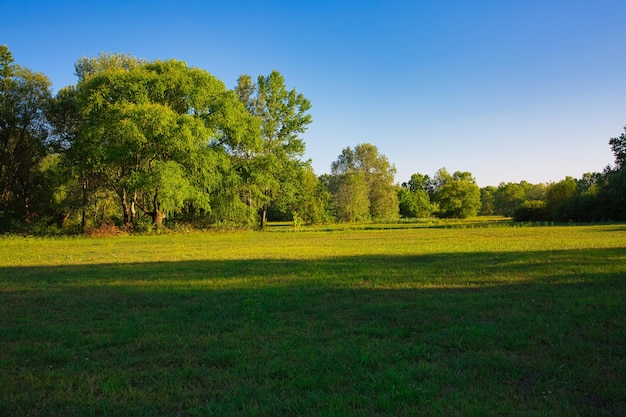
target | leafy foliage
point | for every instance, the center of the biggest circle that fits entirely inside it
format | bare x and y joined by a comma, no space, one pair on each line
350,197
414,204
378,173
149,130
458,196
136,143
273,167
618,146
24,98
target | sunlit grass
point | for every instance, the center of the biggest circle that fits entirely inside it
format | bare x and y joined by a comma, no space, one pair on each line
483,319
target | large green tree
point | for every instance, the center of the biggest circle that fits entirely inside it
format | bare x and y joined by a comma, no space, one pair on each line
149,129
457,195
557,195
414,204
414,197
509,196
420,182
350,197
613,191
24,97
312,199
487,200
270,170
73,193
378,173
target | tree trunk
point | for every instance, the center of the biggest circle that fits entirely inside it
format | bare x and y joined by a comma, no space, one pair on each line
263,216
133,210
62,219
83,220
126,210
28,216
158,215
157,218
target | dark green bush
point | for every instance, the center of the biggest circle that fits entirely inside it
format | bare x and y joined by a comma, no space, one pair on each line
531,211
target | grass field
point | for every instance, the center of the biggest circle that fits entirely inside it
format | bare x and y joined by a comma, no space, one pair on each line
484,320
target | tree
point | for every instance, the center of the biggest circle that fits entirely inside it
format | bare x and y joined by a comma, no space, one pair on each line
311,198
414,197
487,197
441,178
537,192
24,97
530,211
87,67
414,203
74,185
78,186
57,194
271,169
378,174
420,182
149,129
458,195
589,182
613,190
557,195
6,62
618,146
509,196
614,195
350,197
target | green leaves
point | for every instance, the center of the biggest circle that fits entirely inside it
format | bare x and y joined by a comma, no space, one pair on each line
159,136
459,196
618,146
6,62
150,126
378,175
282,117
24,98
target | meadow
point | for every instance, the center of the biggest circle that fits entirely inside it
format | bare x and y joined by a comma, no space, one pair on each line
472,319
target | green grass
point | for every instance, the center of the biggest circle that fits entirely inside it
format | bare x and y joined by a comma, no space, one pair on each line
486,320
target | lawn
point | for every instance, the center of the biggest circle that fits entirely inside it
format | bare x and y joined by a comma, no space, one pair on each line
483,320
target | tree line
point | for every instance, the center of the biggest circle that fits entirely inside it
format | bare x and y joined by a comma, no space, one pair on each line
144,144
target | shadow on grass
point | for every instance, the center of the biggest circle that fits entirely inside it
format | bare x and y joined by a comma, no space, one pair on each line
524,333
441,269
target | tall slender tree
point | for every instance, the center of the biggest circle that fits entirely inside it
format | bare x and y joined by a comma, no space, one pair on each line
270,170
24,97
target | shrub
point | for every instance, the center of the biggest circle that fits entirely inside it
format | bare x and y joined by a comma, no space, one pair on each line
531,211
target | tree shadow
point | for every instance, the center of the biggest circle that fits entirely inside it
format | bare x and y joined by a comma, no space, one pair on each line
449,330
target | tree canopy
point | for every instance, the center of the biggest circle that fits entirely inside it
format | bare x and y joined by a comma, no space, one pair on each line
24,98
274,165
378,174
618,146
149,129
141,144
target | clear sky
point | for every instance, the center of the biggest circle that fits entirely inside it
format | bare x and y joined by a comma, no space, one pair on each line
507,90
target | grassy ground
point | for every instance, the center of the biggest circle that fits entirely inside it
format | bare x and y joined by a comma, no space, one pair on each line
428,321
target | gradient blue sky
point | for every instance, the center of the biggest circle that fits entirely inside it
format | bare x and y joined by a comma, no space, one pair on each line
508,90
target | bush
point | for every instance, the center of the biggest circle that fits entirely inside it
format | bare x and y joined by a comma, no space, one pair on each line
143,224
580,208
531,211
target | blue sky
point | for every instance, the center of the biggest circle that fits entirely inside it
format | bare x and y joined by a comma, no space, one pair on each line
507,90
